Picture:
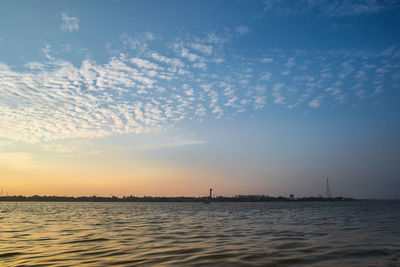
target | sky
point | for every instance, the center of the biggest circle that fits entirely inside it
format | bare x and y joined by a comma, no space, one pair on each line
170,98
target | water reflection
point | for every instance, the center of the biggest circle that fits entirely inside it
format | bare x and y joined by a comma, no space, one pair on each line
104,234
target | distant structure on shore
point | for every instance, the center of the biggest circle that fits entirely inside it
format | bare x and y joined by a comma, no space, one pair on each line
328,189
206,199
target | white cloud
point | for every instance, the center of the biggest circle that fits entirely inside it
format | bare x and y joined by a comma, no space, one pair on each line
241,30
333,91
149,36
174,62
139,44
231,101
267,60
315,103
142,63
214,38
200,65
260,101
204,49
360,75
218,60
266,76
201,111
276,93
214,104
261,88
69,23
290,63
360,94
347,68
189,92
217,110
186,54
34,66
206,87
46,51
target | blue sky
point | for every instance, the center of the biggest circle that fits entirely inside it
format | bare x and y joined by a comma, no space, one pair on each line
266,97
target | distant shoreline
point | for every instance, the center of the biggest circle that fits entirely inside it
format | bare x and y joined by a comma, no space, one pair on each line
247,198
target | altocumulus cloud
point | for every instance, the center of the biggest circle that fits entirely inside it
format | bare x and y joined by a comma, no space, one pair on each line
56,100
150,92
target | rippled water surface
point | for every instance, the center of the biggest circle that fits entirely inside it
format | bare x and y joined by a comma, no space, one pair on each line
359,233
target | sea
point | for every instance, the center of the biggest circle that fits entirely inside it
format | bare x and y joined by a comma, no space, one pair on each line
342,233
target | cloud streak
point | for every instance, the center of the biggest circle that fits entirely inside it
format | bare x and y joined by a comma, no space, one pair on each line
327,8
173,143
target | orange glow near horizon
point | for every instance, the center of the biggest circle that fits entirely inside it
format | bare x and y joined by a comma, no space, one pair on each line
140,179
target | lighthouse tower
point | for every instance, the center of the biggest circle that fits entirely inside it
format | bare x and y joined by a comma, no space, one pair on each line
328,189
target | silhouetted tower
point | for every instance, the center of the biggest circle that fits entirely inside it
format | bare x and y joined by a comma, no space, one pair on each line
328,189
210,192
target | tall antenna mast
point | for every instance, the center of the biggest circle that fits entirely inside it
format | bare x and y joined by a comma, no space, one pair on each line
328,189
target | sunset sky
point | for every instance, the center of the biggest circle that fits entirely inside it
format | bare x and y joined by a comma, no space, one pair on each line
170,98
